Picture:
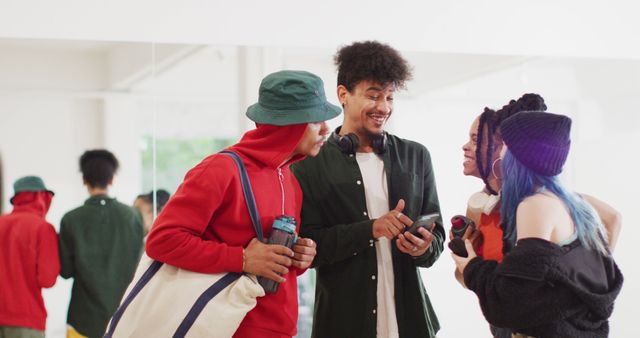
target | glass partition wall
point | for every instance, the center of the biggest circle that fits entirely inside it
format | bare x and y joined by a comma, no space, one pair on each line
162,108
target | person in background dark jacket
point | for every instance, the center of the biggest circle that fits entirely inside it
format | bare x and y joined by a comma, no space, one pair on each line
28,260
559,280
360,193
144,204
100,245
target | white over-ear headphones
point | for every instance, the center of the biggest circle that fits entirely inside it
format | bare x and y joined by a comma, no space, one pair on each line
481,202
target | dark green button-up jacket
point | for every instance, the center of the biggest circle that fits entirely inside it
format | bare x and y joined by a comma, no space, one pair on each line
334,214
100,246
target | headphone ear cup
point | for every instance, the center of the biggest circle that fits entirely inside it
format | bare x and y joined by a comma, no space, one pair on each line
354,142
348,144
379,144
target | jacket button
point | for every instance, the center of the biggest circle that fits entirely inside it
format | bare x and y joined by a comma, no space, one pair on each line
373,277
364,213
355,253
102,202
359,182
374,311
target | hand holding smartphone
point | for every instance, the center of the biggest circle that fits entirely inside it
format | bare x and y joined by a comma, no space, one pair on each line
424,221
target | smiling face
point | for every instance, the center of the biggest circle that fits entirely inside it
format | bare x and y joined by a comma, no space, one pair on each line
366,109
470,163
313,139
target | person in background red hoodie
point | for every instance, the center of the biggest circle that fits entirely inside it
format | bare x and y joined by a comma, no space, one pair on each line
28,260
205,226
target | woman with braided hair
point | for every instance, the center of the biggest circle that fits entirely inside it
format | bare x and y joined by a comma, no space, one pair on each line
559,279
482,160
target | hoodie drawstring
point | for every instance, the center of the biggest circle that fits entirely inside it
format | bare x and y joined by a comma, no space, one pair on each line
281,179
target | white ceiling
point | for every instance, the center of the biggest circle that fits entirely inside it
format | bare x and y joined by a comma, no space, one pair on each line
574,28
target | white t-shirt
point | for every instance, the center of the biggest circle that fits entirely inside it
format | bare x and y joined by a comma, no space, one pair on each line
377,196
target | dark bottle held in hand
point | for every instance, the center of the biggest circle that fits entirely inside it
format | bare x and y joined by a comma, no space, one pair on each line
283,232
459,225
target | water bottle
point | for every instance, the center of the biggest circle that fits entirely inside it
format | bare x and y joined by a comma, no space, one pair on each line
283,232
459,225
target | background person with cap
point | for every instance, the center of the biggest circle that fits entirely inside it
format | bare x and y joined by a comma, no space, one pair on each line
205,226
28,260
559,279
360,193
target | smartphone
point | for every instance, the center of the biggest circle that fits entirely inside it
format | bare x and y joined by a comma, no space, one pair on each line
424,221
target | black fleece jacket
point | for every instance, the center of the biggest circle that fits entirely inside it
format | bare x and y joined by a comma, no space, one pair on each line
544,290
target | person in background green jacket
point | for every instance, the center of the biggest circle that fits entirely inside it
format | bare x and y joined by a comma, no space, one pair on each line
360,193
100,245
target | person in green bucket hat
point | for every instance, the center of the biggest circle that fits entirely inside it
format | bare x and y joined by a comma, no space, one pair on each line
292,97
205,226
29,259
29,183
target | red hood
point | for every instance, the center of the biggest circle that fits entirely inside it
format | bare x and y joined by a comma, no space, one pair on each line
271,145
35,202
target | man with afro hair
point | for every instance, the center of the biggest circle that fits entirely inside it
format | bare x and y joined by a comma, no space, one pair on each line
360,193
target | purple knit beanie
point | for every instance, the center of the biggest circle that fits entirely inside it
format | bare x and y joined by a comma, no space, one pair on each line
538,140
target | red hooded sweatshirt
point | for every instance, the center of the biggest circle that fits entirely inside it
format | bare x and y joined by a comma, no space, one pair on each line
206,224
29,261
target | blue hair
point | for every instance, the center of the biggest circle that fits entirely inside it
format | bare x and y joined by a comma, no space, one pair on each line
520,182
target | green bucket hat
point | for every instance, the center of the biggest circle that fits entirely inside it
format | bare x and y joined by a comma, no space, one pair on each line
29,183
292,97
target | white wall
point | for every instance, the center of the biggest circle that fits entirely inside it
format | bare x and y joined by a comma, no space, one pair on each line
46,119
48,145
506,27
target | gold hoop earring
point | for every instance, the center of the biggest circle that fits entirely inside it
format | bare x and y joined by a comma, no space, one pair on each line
493,169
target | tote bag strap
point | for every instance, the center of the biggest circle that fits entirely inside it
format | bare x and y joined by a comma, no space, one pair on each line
216,287
229,278
248,193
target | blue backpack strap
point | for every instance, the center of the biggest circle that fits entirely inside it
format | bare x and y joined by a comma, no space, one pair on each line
248,193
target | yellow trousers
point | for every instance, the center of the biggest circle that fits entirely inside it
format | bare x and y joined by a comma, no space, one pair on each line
72,333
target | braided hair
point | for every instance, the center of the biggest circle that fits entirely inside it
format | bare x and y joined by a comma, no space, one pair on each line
487,118
492,120
527,102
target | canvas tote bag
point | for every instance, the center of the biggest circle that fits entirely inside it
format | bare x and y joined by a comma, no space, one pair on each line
166,301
